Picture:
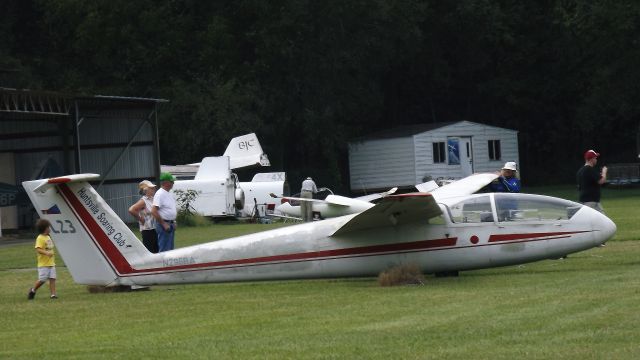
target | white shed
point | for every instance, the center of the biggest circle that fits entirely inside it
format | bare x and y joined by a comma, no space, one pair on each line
413,154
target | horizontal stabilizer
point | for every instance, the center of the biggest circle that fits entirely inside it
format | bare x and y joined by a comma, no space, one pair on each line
393,210
47,183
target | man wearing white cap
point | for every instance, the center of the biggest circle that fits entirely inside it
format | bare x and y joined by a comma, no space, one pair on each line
590,180
141,211
507,181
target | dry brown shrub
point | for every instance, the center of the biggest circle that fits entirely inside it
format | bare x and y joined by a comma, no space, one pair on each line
406,274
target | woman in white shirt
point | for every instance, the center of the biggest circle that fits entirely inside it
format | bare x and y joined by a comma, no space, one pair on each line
141,210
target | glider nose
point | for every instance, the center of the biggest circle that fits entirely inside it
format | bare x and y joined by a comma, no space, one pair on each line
605,228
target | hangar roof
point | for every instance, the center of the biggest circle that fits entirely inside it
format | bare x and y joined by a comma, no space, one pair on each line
24,104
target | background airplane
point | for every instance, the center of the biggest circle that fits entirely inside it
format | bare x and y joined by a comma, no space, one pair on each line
335,205
331,206
221,194
462,232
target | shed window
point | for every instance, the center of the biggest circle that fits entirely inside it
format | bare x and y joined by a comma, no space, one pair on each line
438,152
494,150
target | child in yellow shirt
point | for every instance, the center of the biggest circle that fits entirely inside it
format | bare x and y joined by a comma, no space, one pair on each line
46,259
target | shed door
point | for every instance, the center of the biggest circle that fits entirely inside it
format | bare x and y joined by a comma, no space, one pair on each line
466,156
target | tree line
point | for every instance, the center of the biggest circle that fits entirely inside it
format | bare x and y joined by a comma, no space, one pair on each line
308,76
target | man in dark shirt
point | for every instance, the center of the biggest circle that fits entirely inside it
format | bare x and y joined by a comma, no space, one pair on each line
590,180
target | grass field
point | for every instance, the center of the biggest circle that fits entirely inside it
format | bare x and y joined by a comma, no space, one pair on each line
584,307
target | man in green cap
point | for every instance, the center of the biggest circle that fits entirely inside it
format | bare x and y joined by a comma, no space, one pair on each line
164,210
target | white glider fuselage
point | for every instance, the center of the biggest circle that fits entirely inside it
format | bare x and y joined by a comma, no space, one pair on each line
451,235
335,207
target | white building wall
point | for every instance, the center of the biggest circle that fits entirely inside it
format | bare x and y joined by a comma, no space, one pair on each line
480,135
374,164
508,146
383,163
426,169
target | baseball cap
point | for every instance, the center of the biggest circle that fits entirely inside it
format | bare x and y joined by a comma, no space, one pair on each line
145,184
167,177
590,154
510,165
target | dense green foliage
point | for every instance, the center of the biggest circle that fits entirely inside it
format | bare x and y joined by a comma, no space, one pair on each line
308,76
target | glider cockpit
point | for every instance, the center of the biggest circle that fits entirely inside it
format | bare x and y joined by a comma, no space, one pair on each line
505,207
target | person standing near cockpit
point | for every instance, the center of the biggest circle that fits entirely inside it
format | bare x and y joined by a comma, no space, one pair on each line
590,180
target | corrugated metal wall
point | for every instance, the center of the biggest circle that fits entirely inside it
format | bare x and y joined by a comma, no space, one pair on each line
120,197
35,143
104,135
107,127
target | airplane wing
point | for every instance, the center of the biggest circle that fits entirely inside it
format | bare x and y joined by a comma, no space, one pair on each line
330,199
464,186
428,186
284,217
295,198
370,198
393,210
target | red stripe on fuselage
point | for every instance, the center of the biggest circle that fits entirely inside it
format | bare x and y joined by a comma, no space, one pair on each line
115,257
360,251
531,236
122,266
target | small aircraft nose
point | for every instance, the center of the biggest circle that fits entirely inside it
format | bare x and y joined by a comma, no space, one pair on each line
605,228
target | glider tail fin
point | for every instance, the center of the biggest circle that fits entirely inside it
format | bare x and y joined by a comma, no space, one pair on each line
244,151
95,244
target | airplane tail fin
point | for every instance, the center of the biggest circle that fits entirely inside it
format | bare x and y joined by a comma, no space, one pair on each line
244,151
95,244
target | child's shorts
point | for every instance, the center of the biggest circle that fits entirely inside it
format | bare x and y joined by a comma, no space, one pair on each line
46,272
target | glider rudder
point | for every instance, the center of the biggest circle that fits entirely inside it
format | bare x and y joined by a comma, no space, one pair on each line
95,244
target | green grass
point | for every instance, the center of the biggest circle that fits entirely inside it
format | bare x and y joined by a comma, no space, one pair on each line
584,307
23,256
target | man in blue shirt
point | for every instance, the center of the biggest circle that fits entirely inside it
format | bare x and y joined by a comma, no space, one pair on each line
508,181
